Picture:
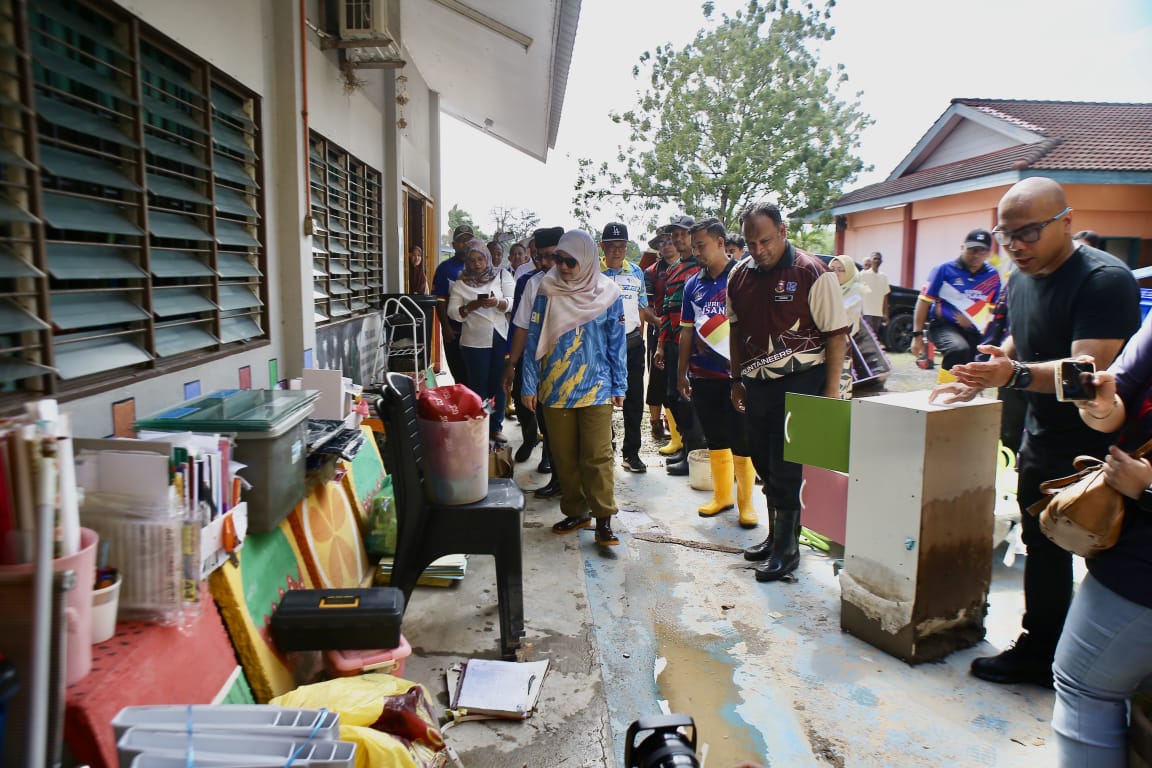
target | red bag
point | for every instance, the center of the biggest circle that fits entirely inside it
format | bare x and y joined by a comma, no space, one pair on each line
454,402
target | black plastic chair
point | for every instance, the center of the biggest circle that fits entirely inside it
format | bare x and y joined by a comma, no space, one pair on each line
425,532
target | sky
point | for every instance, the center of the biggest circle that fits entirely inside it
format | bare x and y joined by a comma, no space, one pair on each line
910,58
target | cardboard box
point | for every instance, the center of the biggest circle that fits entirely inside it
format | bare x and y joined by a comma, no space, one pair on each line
500,464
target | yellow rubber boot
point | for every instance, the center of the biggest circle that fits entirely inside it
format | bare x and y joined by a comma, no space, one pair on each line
745,484
675,444
722,499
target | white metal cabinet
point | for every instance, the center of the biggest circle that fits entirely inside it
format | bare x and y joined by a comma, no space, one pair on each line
918,549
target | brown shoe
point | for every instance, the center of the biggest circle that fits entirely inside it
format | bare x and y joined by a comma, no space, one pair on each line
604,535
570,524
659,434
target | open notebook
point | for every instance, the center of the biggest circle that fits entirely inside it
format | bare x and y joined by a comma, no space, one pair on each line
507,689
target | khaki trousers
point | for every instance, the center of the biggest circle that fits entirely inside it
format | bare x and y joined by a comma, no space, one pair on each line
581,443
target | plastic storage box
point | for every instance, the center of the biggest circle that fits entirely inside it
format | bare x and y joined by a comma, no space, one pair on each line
252,748
291,722
270,428
351,663
338,619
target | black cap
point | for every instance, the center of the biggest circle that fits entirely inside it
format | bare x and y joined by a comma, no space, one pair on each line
979,238
460,231
681,222
614,231
548,236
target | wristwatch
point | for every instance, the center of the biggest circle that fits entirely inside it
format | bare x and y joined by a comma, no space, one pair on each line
1021,376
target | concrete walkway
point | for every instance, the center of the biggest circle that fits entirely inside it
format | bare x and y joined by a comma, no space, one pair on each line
672,620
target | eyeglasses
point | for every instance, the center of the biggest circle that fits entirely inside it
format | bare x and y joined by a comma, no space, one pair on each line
569,261
1028,234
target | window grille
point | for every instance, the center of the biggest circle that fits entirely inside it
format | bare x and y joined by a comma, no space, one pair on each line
347,266
130,201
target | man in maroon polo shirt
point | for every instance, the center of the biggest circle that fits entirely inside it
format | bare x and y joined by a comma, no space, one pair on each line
787,317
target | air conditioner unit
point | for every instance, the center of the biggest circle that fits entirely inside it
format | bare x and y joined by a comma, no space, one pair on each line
364,20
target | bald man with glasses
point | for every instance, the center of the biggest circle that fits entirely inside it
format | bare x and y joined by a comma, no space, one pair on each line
1068,300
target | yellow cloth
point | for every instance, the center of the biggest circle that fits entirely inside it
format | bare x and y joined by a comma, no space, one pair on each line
366,705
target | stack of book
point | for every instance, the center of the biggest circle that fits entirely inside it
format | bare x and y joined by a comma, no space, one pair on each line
37,481
441,573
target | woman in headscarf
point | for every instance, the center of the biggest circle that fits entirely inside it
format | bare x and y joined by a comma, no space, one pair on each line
575,369
480,299
853,290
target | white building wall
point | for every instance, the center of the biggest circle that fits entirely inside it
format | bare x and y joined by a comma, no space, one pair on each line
230,34
966,141
888,239
415,147
939,239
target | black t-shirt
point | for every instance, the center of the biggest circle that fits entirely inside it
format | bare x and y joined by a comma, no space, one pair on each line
1091,296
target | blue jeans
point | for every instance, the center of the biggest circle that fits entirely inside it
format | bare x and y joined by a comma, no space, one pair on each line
484,369
1103,655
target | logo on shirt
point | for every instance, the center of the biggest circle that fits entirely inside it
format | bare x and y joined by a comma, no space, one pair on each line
791,287
780,287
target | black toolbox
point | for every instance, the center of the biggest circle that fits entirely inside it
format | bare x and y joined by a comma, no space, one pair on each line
338,619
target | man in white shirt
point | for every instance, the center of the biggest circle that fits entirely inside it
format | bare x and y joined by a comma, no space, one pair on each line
614,244
876,299
545,240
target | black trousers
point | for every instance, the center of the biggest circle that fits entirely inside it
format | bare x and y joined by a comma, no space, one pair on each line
530,422
657,392
1047,568
634,399
764,406
722,424
957,345
455,360
686,420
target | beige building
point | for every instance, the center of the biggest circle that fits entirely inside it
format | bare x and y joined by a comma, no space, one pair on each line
951,181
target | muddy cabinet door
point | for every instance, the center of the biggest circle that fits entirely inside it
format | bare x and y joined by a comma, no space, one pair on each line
918,554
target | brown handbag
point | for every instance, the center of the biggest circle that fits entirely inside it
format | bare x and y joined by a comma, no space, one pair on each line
1082,513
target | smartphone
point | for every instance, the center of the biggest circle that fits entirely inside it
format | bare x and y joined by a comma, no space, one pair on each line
1074,380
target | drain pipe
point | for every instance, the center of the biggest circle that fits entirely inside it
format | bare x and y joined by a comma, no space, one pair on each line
304,116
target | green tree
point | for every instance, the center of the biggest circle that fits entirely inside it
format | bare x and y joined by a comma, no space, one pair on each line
814,238
458,216
744,112
513,223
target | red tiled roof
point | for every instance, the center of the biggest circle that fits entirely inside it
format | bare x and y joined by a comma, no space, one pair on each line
1081,136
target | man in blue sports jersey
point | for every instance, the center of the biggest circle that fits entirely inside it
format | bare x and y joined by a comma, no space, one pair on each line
630,280
959,298
705,374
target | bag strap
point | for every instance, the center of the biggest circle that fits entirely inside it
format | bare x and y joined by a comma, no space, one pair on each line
1142,451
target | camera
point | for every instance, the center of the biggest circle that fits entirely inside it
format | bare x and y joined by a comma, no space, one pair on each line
663,743
1074,380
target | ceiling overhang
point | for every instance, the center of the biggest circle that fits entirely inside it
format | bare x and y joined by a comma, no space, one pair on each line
500,67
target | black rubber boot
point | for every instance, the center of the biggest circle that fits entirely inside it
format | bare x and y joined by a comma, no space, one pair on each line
785,547
763,550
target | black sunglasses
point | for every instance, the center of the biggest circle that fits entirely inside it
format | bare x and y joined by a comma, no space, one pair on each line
569,261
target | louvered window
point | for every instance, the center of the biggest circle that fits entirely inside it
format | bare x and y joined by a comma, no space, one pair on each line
347,267
129,200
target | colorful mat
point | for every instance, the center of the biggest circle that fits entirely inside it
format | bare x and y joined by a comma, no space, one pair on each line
269,566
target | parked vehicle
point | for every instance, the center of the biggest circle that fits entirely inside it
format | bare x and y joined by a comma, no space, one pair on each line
897,332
